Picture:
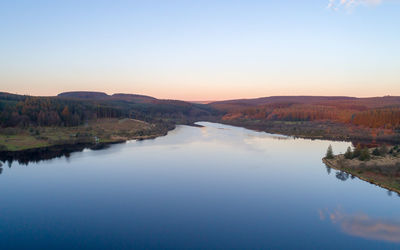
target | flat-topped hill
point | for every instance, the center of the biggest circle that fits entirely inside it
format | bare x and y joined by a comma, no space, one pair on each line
84,95
103,96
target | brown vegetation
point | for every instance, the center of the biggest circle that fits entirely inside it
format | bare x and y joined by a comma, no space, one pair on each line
380,166
358,118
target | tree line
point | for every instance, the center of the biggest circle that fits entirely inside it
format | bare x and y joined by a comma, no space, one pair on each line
384,117
24,111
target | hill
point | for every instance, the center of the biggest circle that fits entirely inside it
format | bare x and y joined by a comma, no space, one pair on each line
84,95
336,117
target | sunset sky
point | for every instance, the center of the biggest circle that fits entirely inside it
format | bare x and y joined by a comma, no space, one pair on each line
201,50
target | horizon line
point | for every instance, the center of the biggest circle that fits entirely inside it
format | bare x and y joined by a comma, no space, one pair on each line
203,100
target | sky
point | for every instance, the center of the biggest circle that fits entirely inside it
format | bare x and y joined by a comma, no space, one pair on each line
201,50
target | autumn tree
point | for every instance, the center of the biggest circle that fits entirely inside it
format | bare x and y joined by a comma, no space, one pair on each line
357,151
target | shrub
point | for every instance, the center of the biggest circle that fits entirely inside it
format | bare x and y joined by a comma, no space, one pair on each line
383,150
357,151
376,152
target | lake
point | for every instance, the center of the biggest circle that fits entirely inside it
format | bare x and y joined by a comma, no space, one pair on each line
212,187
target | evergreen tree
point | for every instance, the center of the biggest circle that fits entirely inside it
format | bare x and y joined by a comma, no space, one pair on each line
348,154
329,153
364,155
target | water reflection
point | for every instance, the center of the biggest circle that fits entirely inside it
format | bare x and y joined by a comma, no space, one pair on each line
205,188
364,226
343,176
36,155
328,169
251,140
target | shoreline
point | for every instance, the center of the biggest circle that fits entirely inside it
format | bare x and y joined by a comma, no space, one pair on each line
100,144
330,163
37,154
302,133
96,134
94,144
92,141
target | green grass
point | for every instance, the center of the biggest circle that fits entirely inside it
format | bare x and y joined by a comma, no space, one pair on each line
21,142
106,130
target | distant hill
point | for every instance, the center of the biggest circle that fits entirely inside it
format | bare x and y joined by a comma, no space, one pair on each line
363,103
103,96
202,102
293,99
133,98
84,95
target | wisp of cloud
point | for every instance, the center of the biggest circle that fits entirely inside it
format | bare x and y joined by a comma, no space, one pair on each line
349,4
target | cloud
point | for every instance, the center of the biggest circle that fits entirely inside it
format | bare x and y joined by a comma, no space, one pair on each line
350,4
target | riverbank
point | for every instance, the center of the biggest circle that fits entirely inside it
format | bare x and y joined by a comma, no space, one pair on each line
383,171
97,132
314,130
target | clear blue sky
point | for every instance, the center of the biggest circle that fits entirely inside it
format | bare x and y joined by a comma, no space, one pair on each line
201,50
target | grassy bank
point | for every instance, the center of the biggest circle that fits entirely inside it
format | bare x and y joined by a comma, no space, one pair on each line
383,171
96,131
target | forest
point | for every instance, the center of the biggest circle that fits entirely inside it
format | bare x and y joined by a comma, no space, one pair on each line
337,118
75,109
375,118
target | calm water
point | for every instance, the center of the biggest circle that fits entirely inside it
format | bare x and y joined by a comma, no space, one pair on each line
212,187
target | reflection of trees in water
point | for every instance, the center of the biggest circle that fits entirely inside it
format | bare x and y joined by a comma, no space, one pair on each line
343,176
328,170
36,155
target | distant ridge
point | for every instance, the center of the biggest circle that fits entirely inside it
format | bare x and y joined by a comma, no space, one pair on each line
102,95
84,95
133,97
384,101
275,99
303,99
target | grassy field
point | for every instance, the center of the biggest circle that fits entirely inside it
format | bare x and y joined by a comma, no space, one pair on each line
98,131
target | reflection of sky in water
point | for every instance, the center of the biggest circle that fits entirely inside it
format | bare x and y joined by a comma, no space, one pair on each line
212,187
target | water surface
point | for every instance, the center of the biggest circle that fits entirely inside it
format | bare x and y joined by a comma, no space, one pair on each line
213,187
